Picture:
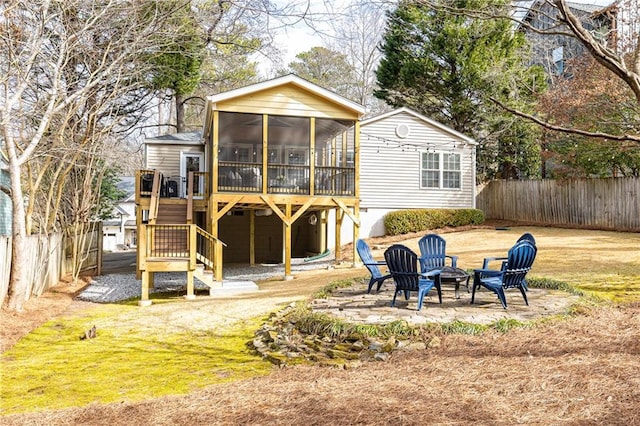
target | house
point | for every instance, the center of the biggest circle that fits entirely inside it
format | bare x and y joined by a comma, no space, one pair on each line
119,232
410,161
551,49
6,208
274,162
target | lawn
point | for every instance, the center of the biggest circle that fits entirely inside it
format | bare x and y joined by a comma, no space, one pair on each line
180,362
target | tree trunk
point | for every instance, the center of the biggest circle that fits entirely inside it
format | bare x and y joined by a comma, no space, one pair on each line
18,284
180,124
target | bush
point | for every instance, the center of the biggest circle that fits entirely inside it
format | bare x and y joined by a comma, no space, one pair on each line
418,220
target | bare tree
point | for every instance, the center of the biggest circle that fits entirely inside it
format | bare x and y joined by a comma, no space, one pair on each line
620,56
358,34
56,58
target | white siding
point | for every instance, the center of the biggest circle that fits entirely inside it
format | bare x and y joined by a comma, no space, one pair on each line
390,166
390,173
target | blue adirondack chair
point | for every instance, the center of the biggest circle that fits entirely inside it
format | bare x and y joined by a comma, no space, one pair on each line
403,266
524,237
372,265
433,253
512,275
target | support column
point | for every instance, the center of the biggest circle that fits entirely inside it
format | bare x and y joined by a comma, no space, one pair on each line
287,243
252,237
339,218
356,235
190,290
144,297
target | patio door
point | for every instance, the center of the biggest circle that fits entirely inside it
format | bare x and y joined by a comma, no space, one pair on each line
192,162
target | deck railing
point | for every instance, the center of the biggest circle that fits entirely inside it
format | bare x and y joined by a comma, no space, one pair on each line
286,179
180,242
237,177
334,181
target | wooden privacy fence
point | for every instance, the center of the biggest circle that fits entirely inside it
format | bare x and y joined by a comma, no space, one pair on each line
49,258
611,204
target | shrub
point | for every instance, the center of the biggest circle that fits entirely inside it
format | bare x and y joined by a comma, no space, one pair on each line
418,220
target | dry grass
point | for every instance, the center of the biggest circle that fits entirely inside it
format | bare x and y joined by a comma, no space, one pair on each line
583,370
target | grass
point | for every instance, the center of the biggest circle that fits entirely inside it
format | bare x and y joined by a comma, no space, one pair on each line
134,358
52,368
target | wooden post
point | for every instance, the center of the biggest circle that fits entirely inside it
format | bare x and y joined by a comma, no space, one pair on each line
252,237
339,218
190,198
139,234
265,153
287,243
218,262
144,296
356,235
356,163
312,157
190,292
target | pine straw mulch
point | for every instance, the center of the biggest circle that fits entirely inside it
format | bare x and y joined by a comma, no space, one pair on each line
583,370
38,310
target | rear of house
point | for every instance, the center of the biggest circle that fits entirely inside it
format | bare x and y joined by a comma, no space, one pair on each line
408,161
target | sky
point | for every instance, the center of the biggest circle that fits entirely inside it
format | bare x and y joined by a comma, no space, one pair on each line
292,40
301,38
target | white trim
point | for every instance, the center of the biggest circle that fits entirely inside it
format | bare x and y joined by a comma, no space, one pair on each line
441,170
286,79
183,169
427,120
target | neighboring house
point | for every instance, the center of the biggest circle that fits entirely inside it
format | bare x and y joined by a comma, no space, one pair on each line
5,201
553,51
274,160
409,161
120,231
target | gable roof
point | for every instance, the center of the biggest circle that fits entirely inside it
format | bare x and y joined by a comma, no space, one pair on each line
288,79
426,120
128,185
177,138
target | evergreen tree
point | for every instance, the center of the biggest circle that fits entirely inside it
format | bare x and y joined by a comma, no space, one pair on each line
449,67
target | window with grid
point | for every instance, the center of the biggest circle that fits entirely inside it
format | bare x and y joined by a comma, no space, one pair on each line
451,171
430,170
440,170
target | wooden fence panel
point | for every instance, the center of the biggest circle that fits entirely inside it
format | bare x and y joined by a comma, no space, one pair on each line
612,203
90,249
48,260
5,266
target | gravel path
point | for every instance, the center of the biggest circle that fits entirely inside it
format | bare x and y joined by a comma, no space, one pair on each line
117,287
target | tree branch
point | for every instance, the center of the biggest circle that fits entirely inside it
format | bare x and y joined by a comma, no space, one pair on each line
547,125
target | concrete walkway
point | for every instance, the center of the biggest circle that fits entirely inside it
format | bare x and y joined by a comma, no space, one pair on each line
353,304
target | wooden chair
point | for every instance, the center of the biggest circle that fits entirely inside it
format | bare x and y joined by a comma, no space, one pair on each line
403,266
372,265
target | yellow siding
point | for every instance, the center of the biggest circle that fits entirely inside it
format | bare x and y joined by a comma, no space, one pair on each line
286,100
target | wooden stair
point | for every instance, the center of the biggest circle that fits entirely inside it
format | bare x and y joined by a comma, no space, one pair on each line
171,213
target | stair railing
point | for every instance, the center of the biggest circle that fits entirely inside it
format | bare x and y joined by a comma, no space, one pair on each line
190,197
208,250
155,198
180,242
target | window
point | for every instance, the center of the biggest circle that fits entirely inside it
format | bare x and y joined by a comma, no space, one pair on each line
440,170
558,60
